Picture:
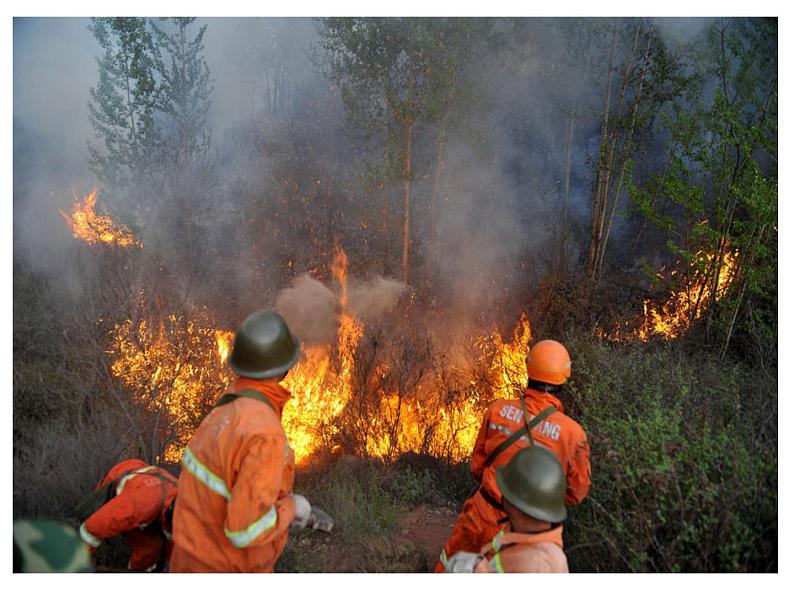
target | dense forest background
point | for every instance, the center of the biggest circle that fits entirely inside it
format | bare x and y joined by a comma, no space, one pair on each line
580,171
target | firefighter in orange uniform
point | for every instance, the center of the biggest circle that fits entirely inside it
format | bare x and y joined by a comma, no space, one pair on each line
533,493
235,503
140,511
504,431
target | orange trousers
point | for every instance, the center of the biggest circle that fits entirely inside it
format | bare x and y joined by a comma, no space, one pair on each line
478,523
147,546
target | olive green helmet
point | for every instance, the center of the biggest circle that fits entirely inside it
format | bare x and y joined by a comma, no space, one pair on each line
264,347
48,547
534,482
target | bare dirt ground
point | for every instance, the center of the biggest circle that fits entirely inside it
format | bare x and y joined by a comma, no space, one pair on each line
414,547
428,528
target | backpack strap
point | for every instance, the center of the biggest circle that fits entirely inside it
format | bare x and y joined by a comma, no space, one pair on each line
528,426
252,393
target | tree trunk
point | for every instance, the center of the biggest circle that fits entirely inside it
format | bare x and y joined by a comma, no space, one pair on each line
747,263
563,258
409,130
623,159
597,206
409,137
439,166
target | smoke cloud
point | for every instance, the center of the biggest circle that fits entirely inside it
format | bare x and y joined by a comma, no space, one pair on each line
681,31
275,116
372,299
312,310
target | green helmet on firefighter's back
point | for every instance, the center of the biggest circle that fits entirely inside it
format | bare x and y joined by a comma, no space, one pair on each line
534,482
48,547
264,347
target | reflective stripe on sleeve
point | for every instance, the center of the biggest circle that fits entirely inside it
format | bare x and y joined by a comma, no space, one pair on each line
243,538
443,558
88,537
496,563
123,481
496,545
203,475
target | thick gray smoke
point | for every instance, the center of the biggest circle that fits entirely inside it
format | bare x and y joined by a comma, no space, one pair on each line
372,299
312,310
503,194
53,69
503,182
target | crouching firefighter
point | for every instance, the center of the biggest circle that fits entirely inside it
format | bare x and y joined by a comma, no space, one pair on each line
511,425
136,501
533,496
235,504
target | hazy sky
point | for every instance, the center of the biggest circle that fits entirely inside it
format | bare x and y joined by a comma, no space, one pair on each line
54,67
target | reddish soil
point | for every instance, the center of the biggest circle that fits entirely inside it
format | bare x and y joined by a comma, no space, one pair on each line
428,528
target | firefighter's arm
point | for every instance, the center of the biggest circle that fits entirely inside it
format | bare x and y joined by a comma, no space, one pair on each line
120,514
255,514
478,454
578,473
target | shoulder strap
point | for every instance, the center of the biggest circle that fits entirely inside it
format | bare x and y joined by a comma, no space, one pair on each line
159,475
252,393
528,426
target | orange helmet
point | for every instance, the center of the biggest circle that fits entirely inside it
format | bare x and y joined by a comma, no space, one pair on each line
548,362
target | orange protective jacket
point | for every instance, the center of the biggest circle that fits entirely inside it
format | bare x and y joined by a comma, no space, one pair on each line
235,492
558,433
479,521
514,552
143,495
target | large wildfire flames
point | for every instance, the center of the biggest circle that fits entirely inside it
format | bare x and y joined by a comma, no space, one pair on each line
343,396
682,307
175,366
97,229
179,368
325,397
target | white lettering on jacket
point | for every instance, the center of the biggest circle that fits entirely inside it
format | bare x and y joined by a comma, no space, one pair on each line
510,413
549,429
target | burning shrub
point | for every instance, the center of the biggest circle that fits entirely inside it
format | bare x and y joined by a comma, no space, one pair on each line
686,302
92,228
175,368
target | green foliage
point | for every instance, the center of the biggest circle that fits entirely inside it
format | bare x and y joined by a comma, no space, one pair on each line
361,507
413,486
149,110
365,496
365,499
185,90
684,468
396,73
122,106
718,191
